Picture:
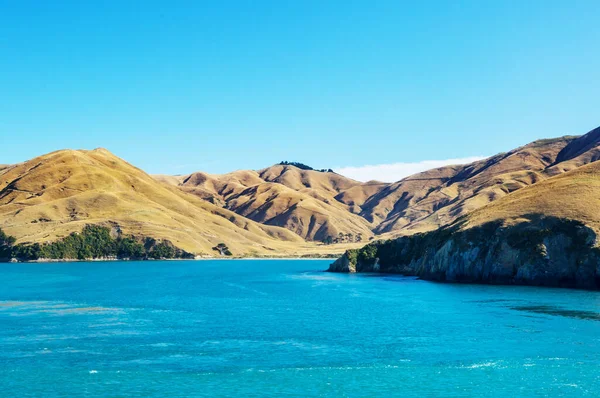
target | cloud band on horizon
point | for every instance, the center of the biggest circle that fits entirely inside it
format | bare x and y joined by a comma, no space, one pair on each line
396,171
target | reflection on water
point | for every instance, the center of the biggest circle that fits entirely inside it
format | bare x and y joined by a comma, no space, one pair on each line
494,301
554,310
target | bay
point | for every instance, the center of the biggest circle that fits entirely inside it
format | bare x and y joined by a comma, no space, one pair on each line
285,328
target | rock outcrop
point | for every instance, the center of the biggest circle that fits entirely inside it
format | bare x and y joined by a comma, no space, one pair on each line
540,251
544,234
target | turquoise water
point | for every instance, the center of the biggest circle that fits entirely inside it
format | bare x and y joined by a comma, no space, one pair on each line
283,328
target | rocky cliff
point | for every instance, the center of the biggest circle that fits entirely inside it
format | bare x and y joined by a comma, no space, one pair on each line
539,250
543,234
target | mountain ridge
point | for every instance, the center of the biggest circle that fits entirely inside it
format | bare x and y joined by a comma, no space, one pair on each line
54,195
544,234
278,210
418,203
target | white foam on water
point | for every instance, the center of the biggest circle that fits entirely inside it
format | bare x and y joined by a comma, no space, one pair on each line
489,364
325,368
298,344
315,277
246,288
161,345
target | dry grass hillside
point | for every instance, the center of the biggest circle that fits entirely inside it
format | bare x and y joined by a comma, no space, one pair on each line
53,195
316,204
450,192
573,195
583,150
286,210
306,202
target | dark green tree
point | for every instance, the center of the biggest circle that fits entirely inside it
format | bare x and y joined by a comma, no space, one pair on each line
6,244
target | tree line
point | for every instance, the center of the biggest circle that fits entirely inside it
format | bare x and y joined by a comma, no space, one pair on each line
343,238
303,166
92,242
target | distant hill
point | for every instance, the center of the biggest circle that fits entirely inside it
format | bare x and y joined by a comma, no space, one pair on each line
543,234
286,209
579,151
321,205
437,197
51,196
574,195
302,201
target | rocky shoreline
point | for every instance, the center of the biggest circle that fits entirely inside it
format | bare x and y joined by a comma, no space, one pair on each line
542,251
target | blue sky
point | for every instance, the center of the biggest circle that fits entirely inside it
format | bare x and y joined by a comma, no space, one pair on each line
179,86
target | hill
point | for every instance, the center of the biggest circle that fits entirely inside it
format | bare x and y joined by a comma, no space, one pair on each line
321,205
313,204
49,197
426,201
544,234
579,151
287,209
574,195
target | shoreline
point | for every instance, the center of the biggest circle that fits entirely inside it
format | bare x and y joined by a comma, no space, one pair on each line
165,259
268,258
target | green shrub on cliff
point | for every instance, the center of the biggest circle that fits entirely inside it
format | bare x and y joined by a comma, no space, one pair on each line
527,237
368,253
365,255
537,250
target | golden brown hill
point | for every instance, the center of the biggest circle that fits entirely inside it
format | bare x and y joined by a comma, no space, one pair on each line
295,178
317,204
574,195
270,211
545,234
437,197
302,201
53,195
356,196
582,150
309,213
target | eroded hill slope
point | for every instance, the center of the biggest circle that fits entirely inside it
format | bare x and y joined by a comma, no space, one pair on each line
544,234
53,195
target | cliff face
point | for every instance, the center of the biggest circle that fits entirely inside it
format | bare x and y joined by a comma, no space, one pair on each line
541,251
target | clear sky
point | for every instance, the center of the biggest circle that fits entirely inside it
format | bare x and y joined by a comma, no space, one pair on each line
179,86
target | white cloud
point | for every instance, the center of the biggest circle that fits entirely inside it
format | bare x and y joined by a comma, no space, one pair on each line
397,171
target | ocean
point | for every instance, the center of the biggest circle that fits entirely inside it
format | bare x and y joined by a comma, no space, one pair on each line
271,328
